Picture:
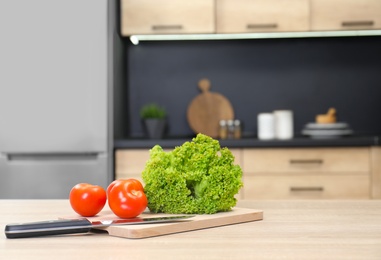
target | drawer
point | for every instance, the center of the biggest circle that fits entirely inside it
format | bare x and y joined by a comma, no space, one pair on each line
237,153
345,14
242,16
349,186
167,16
130,162
306,160
49,176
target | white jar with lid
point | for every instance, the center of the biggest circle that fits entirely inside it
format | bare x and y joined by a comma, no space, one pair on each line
266,126
284,124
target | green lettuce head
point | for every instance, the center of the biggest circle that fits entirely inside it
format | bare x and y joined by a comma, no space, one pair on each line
198,177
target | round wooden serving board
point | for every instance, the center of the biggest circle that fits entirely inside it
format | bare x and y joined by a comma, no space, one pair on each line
207,109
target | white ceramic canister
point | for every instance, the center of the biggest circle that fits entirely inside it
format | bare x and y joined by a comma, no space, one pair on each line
266,126
284,124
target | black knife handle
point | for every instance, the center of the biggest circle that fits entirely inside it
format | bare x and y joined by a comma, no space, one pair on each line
47,228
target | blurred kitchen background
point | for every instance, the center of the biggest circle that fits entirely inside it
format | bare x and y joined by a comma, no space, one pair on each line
304,56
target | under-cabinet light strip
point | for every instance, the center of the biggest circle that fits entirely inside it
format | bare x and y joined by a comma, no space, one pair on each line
135,39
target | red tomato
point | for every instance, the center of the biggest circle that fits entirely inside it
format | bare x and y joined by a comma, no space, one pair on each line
110,186
87,200
126,198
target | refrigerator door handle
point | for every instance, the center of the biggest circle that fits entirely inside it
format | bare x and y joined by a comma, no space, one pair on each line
18,157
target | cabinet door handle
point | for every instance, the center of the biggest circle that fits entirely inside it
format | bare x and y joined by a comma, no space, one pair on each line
296,189
306,161
22,157
261,26
167,27
357,23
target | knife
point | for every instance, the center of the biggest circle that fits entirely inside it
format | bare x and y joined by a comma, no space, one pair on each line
82,225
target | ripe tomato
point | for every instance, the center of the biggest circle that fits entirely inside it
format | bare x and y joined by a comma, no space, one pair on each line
87,200
110,186
126,198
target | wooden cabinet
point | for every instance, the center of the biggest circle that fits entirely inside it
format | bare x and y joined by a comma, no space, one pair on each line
301,160
376,172
130,163
307,173
167,16
345,14
243,16
309,186
290,173
247,16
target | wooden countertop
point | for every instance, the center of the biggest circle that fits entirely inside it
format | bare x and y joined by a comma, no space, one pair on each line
290,230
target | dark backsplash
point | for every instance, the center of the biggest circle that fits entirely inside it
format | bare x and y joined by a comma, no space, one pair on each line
306,75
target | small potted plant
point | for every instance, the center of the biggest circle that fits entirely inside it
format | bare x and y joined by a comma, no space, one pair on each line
154,120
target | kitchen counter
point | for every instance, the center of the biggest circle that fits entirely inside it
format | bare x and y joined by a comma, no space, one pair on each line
350,141
289,230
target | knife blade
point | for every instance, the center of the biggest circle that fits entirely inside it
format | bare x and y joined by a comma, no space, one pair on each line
82,225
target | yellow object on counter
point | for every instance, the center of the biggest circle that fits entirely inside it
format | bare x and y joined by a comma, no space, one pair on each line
328,118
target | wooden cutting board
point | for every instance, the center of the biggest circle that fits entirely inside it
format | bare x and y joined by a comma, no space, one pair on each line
207,109
237,215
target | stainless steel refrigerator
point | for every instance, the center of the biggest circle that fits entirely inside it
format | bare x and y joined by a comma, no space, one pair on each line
55,96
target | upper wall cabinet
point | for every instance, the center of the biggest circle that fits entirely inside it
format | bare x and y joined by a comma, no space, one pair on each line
149,17
245,16
167,16
345,15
